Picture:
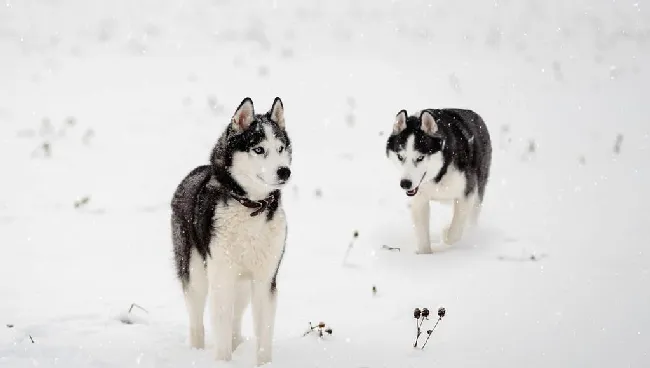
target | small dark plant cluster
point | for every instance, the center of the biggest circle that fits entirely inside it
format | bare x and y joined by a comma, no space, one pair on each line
50,135
80,202
618,143
321,328
389,248
9,325
525,258
129,318
355,236
421,316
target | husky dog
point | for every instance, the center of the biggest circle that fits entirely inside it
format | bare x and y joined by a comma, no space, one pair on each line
443,155
229,230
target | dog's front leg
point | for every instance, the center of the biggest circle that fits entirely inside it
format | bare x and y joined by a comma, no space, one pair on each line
264,306
462,211
420,216
242,299
222,300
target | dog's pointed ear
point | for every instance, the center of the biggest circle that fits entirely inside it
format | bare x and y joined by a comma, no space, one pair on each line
400,122
277,112
244,115
428,124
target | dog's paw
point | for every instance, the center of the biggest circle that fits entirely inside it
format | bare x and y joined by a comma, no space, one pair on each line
451,235
263,358
197,346
224,355
424,250
197,339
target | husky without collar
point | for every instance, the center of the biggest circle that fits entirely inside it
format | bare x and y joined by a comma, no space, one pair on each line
443,155
229,230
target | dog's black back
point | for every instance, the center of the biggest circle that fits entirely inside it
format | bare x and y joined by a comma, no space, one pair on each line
193,207
467,145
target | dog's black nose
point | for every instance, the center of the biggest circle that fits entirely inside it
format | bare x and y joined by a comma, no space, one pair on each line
405,184
284,173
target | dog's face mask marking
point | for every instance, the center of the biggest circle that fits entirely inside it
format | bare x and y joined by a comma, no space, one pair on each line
416,150
261,156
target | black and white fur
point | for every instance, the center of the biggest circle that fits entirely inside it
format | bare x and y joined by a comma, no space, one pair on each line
443,155
229,230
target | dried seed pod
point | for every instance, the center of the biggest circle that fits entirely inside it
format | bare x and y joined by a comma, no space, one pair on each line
417,313
441,312
321,324
425,312
329,331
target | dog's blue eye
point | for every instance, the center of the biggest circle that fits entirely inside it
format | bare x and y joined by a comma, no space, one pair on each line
420,158
281,149
258,150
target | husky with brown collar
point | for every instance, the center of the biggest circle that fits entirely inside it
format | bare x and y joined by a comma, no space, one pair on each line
229,230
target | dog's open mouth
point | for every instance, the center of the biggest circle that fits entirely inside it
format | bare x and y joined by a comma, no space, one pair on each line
412,192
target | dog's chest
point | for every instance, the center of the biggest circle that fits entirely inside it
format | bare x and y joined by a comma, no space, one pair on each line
250,242
451,186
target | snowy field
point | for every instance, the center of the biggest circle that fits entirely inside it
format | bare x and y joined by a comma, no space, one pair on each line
106,105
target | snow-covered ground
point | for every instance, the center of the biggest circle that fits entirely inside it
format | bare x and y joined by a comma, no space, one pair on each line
114,101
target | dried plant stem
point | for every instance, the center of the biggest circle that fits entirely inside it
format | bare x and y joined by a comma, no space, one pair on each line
135,305
433,329
419,331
